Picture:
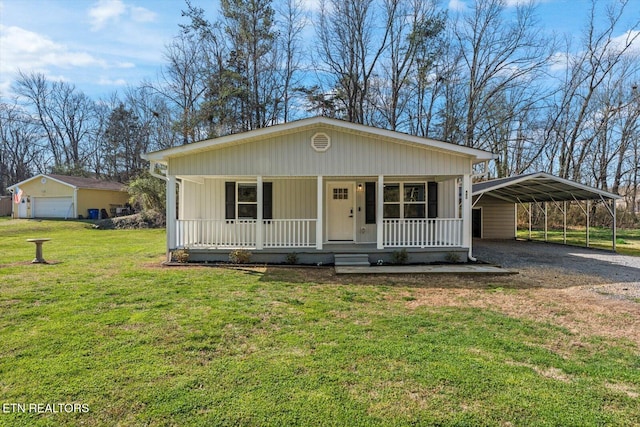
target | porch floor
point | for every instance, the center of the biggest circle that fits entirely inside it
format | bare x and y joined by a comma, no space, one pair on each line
430,269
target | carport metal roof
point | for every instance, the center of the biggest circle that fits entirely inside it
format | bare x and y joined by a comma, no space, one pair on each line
541,187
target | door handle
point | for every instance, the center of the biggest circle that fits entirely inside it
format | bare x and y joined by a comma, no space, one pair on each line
351,213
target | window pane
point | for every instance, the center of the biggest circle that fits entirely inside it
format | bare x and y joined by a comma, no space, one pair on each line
392,192
414,193
247,193
415,210
247,211
392,211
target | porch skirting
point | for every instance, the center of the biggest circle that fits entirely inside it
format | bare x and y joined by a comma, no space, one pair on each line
311,256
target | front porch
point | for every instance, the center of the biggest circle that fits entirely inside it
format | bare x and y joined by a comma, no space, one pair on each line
317,217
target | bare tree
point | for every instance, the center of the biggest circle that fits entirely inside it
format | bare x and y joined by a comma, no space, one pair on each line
66,115
350,49
20,146
183,83
500,54
571,130
292,17
414,30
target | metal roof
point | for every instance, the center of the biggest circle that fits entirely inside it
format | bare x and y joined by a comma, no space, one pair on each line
538,187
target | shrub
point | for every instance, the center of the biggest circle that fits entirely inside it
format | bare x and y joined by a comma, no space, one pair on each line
400,257
292,258
240,256
452,257
180,255
147,192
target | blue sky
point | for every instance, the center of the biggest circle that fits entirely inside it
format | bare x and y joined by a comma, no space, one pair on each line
104,45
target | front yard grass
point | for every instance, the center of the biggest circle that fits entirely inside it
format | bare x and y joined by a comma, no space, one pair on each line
106,326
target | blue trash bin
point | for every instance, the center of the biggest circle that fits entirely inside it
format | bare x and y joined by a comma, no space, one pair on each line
93,213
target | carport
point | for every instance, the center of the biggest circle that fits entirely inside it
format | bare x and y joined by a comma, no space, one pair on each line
544,189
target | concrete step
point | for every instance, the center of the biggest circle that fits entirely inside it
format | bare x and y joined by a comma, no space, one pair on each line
351,260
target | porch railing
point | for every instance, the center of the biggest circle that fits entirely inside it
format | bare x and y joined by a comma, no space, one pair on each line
216,233
422,233
281,233
301,233
289,233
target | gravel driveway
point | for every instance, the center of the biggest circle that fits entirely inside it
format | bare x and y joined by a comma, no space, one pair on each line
620,274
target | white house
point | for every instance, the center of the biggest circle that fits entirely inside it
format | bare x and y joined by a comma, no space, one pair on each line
319,187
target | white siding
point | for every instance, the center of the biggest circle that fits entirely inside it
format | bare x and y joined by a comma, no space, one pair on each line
292,199
448,199
498,218
349,155
203,201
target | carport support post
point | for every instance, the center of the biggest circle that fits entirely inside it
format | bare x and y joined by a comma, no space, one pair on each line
545,221
529,220
613,231
564,222
587,215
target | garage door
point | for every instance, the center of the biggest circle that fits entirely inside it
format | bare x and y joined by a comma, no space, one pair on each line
52,207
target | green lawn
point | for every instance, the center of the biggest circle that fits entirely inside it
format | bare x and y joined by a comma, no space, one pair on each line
104,325
627,241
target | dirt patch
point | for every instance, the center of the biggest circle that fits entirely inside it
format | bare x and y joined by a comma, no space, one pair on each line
563,300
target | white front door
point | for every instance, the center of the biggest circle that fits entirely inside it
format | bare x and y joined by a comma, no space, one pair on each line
340,211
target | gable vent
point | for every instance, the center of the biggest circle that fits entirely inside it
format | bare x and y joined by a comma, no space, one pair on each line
320,142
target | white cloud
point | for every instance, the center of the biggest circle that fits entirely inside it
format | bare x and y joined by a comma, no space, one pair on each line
622,40
23,49
104,11
140,14
457,5
514,3
105,81
311,5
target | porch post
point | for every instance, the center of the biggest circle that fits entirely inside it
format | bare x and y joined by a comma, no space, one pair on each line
466,212
259,225
171,215
319,203
380,213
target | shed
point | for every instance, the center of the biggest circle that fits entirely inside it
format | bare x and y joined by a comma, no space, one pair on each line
495,202
62,196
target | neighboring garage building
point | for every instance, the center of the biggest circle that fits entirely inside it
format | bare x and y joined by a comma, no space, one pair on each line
495,202
61,196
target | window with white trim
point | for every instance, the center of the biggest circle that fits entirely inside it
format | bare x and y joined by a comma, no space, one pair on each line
247,201
404,200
